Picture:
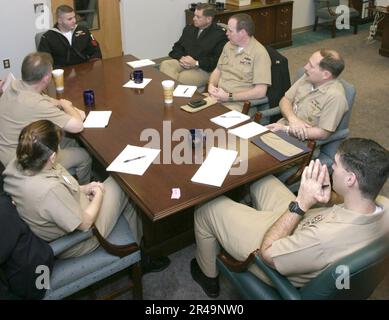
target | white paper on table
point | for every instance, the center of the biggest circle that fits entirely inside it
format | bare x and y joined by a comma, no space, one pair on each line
8,81
140,159
248,130
97,119
216,166
230,119
140,63
132,84
184,91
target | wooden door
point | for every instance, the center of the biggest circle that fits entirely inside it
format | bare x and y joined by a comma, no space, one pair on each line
109,34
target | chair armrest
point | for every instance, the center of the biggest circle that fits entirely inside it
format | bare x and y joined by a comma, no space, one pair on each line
114,249
337,135
271,112
62,244
259,102
284,287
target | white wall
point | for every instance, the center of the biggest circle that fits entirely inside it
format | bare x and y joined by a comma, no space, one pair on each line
303,13
150,27
159,24
17,32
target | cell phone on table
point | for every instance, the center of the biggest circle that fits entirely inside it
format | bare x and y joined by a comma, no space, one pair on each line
195,103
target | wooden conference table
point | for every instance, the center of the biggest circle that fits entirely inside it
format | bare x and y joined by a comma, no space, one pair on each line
167,223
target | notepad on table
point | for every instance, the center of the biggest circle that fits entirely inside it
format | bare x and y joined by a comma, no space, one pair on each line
140,63
134,160
230,119
248,130
184,91
215,167
132,84
97,119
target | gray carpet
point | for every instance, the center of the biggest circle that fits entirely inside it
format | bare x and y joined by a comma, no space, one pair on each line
369,72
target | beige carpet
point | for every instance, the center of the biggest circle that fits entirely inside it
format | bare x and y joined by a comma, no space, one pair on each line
368,72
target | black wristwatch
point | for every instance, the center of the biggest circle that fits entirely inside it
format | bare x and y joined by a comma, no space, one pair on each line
230,97
295,208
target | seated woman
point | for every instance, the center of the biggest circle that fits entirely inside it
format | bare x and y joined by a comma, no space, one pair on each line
52,202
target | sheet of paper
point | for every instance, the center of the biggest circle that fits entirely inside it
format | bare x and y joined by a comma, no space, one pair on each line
97,119
140,63
134,160
216,166
132,84
230,119
248,130
184,91
8,81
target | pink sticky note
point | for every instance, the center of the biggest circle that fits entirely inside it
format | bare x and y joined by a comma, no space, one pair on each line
176,193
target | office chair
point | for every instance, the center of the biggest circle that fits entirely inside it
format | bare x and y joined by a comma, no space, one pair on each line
367,267
280,84
116,253
325,10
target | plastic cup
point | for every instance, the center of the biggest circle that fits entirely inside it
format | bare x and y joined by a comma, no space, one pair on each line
168,88
58,79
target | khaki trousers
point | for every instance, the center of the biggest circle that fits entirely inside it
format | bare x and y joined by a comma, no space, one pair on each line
195,77
115,203
75,159
239,229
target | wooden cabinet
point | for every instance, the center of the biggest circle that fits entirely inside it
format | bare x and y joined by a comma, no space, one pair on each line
273,22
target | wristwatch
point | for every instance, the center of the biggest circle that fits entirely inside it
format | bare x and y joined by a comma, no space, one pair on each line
295,208
230,96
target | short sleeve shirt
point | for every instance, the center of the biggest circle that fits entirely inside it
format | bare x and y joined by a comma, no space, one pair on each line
19,106
324,236
50,202
321,107
243,69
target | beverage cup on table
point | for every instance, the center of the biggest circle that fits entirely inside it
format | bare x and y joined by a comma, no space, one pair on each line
168,88
137,76
58,79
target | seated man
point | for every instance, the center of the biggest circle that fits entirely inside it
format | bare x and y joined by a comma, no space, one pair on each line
244,68
68,43
315,104
196,53
295,239
23,103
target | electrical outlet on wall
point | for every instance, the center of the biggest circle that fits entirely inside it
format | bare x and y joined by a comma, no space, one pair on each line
6,64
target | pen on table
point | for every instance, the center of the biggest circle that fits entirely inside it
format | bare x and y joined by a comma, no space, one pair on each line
325,186
137,158
185,90
229,116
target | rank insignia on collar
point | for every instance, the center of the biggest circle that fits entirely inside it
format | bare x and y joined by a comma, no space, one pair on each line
80,33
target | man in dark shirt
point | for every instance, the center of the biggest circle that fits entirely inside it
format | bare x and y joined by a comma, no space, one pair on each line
197,51
67,42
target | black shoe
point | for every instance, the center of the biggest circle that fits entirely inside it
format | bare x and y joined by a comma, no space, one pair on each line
209,285
151,264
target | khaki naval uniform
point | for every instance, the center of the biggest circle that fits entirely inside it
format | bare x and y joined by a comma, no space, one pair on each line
322,237
19,106
51,203
242,69
322,107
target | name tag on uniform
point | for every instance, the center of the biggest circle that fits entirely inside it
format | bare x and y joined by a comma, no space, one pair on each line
66,179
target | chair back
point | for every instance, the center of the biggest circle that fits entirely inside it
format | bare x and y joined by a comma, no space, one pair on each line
353,277
38,37
323,4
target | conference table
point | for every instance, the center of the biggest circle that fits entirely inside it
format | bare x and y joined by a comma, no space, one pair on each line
167,222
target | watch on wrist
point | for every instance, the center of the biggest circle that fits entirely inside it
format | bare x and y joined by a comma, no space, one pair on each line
230,96
295,208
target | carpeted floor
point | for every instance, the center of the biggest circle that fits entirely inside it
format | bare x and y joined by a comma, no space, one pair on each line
369,72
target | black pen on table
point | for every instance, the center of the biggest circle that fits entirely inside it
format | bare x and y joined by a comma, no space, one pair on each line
137,158
185,90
